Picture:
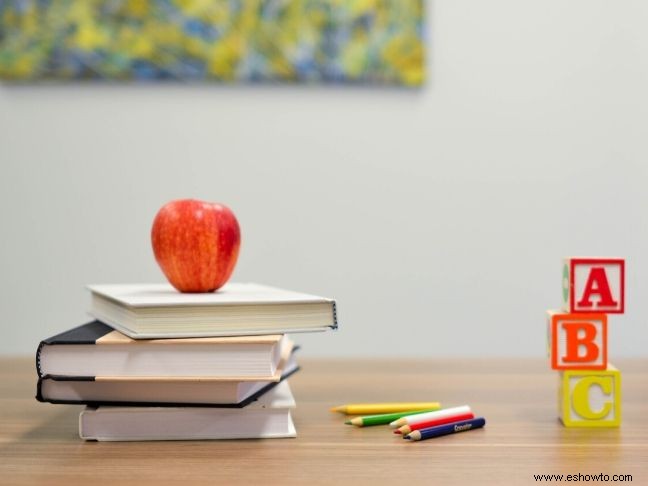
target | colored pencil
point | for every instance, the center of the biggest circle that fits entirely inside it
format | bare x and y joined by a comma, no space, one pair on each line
446,429
376,408
414,419
406,429
381,419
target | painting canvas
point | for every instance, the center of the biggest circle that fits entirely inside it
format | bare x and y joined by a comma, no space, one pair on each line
311,41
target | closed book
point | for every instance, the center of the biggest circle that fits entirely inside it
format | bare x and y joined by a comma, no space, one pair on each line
148,311
268,417
96,350
170,392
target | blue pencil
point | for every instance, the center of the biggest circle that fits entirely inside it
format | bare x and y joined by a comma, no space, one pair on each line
446,429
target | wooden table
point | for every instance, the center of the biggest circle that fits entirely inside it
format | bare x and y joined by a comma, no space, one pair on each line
39,442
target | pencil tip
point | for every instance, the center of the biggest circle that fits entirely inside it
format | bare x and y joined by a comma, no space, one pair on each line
397,431
348,422
335,409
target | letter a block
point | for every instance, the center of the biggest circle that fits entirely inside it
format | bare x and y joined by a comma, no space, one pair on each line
577,341
590,398
594,285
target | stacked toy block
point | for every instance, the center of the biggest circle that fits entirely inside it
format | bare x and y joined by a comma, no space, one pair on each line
589,393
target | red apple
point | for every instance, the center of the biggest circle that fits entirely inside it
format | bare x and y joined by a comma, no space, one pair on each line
196,244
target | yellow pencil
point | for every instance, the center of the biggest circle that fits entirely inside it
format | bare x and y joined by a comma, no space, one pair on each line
375,408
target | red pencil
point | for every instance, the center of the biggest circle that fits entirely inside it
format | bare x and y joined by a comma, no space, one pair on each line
406,429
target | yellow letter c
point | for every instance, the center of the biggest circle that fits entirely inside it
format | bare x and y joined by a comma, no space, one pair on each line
580,397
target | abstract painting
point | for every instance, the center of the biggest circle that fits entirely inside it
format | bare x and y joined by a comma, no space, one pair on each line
301,41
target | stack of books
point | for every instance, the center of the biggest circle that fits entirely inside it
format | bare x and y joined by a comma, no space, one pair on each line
157,364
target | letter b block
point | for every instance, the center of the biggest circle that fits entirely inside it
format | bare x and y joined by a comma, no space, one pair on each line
590,398
594,285
577,341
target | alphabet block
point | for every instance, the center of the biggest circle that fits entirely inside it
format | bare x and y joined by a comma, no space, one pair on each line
594,285
590,398
578,341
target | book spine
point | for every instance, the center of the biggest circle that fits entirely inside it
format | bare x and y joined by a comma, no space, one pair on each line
39,390
39,371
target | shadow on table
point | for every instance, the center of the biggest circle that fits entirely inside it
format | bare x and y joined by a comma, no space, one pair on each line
60,426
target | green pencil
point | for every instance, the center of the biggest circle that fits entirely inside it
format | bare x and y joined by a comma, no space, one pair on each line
383,418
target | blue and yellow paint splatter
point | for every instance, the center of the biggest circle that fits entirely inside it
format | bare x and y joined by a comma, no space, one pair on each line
373,41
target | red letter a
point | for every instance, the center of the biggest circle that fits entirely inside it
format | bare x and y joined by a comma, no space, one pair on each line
597,283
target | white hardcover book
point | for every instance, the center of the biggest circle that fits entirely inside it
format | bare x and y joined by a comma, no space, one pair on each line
268,417
148,311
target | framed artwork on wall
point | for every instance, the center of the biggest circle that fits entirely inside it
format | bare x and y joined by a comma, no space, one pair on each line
294,41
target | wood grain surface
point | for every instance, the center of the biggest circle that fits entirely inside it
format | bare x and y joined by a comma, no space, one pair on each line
39,442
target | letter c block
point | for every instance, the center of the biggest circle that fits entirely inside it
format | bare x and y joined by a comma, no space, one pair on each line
590,398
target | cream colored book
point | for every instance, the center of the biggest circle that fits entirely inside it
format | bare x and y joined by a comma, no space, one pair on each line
148,311
268,417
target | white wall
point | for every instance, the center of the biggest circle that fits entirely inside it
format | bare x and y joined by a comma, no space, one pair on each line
437,218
